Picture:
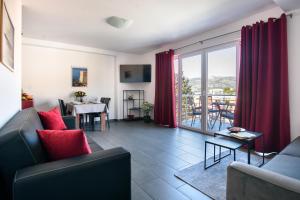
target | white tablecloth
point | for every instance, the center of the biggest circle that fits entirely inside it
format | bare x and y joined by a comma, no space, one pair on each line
84,108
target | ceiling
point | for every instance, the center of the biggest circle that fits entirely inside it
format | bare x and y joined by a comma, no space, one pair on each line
288,5
155,22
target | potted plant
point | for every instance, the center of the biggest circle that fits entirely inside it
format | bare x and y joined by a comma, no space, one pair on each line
147,108
79,95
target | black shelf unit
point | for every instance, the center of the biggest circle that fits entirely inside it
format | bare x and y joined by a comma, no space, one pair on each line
132,106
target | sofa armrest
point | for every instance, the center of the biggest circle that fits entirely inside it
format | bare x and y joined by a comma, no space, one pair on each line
70,121
250,182
102,175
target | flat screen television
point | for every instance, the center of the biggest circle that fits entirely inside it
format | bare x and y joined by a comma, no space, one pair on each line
135,73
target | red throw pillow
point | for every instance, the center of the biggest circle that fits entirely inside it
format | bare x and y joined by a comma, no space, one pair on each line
52,120
61,144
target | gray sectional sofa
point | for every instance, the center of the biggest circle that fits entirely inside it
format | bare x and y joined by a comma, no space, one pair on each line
279,179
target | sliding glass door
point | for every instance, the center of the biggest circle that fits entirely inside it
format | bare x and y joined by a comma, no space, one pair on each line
190,91
221,87
206,88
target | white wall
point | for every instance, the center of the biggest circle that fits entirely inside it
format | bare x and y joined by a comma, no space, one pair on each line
148,88
10,82
294,72
47,72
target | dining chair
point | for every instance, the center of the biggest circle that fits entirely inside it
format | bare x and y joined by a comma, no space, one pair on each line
213,112
105,100
62,106
63,111
196,110
227,113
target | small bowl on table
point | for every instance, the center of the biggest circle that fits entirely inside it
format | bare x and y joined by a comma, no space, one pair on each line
236,129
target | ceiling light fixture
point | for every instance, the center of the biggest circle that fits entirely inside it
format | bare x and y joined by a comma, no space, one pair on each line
118,22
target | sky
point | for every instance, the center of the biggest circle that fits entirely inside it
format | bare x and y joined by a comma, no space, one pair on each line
220,63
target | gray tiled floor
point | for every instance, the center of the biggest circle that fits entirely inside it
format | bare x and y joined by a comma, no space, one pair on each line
157,153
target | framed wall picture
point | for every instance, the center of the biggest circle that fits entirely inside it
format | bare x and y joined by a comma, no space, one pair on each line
79,77
7,34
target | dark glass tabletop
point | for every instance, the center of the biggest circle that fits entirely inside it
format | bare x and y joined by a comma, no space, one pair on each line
227,133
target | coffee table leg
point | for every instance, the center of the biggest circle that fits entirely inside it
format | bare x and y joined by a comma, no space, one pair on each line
214,153
205,156
263,149
248,153
234,158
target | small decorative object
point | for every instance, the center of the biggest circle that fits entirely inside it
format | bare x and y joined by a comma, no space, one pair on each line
147,108
79,95
26,96
242,135
79,77
130,97
235,129
27,100
6,38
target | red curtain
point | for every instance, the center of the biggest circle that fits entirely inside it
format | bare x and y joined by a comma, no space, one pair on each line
164,107
263,99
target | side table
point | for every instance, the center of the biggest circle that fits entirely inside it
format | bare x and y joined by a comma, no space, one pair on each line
221,141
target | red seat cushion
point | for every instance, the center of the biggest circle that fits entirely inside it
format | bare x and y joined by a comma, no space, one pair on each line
60,144
52,120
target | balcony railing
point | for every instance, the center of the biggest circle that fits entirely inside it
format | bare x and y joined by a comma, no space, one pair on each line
220,109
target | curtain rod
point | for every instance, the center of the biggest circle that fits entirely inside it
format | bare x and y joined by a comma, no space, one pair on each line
204,40
201,41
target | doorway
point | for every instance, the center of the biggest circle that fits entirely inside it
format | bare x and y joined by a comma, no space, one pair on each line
206,85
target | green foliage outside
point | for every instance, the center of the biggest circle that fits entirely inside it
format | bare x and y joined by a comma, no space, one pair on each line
186,87
229,91
187,94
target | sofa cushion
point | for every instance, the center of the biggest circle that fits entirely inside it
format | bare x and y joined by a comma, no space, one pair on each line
61,144
20,146
293,148
52,120
286,165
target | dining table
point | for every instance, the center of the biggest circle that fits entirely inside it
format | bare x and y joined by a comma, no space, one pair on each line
78,108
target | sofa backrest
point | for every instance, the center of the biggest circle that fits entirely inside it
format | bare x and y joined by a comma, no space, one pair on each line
20,146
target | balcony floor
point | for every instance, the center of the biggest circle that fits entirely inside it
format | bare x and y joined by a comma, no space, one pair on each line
197,124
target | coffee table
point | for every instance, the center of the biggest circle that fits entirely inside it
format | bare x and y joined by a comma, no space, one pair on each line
221,142
247,142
